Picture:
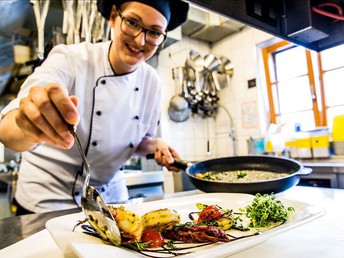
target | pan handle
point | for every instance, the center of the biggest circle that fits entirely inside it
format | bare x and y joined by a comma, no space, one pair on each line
178,163
305,171
181,164
150,156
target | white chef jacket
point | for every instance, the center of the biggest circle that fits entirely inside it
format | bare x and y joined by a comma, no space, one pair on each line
116,113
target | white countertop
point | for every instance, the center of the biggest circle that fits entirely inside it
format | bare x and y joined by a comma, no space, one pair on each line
323,237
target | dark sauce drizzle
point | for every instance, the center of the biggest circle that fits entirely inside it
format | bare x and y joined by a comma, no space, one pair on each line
170,248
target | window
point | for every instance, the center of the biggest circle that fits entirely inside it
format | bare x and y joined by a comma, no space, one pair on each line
332,64
303,86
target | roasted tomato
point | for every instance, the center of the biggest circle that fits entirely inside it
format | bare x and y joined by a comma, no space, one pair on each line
150,234
211,212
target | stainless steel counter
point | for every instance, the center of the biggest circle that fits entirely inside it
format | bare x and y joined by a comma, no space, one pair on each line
336,161
327,172
140,184
17,228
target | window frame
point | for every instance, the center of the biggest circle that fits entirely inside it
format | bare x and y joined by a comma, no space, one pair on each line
318,98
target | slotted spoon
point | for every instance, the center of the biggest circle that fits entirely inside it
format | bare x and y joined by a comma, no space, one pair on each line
93,205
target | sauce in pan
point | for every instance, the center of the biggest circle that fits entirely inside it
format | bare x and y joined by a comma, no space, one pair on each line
240,176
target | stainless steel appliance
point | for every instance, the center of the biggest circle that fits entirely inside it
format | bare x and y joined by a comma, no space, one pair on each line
324,175
144,184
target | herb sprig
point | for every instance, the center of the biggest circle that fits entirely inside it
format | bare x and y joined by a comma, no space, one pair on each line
266,210
207,176
241,174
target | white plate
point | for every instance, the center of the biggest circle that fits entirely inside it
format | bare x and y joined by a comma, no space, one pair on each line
85,246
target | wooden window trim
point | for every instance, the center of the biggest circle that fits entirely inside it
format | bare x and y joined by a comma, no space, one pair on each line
319,116
323,116
312,88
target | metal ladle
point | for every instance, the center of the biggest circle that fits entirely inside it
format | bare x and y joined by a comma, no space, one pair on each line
97,212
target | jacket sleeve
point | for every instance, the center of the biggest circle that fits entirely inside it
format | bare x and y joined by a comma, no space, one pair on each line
58,68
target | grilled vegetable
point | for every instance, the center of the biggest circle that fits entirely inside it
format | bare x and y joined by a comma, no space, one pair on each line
128,222
213,215
160,219
209,213
153,237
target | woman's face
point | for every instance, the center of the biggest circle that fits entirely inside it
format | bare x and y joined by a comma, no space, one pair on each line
128,52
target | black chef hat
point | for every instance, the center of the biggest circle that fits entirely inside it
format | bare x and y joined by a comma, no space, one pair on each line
175,11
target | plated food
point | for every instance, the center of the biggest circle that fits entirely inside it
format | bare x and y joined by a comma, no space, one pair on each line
207,224
78,243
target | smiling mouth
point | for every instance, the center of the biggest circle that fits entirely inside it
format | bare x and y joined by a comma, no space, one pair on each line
134,49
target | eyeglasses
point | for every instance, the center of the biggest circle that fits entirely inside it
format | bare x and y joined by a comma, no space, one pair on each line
132,28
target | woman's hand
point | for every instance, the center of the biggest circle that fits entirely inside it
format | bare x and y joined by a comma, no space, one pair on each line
164,155
44,115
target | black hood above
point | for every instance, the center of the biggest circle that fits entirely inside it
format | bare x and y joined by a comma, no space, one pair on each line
314,24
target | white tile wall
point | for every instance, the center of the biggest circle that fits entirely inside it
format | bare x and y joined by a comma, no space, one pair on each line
190,138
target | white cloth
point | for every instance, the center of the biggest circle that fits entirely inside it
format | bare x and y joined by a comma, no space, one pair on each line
116,113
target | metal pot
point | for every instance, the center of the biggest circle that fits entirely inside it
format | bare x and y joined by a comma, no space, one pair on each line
178,109
211,63
263,163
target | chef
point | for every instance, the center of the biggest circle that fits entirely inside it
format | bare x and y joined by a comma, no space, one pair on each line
111,95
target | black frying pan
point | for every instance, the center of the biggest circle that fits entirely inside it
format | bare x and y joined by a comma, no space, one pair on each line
263,163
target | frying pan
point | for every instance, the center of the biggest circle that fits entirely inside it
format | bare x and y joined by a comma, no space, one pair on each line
258,162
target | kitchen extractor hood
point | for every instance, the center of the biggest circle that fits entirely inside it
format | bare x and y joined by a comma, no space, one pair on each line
209,26
314,24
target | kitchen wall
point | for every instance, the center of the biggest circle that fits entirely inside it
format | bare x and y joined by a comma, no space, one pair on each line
190,138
